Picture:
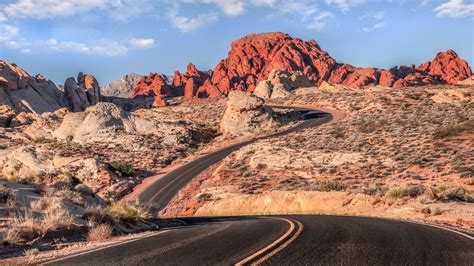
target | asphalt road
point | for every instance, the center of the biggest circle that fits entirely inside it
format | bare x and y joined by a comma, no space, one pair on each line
286,240
324,240
164,189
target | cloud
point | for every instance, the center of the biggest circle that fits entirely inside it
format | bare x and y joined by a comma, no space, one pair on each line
141,43
110,49
318,23
8,32
374,27
230,7
260,3
186,24
344,5
49,9
2,17
377,15
455,9
104,48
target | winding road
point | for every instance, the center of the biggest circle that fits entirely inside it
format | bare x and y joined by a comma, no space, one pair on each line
283,240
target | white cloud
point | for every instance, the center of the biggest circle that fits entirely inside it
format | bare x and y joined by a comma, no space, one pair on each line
344,5
230,7
455,9
103,48
67,46
141,43
373,27
7,32
259,3
110,49
26,50
2,17
319,23
48,9
186,24
377,15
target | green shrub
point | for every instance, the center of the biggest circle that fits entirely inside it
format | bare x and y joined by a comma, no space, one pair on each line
122,167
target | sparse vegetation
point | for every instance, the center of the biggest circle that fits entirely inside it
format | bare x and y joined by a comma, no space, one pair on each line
452,130
127,211
100,232
331,185
122,167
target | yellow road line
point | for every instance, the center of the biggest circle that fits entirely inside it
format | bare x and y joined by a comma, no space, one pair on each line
291,222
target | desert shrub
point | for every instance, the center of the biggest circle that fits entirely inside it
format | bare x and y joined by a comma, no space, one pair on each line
98,215
415,190
203,197
5,193
83,189
127,211
100,232
396,192
452,130
337,132
30,254
13,237
191,150
122,167
455,193
331,185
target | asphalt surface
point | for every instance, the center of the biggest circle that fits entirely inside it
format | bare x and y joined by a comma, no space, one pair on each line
163,190
293,240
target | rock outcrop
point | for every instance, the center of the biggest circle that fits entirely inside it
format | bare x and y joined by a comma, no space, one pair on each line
122,87
83,93
280,83
186,84
253,57
245,113
24,93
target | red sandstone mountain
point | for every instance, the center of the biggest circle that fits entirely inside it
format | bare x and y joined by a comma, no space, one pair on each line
253,57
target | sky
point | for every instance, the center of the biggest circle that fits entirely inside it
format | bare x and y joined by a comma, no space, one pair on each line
110,38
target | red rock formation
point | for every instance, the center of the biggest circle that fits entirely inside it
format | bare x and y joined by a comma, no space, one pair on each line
448,67
152,85
253,57
186,84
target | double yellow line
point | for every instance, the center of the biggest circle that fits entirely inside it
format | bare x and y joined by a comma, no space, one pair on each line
276,246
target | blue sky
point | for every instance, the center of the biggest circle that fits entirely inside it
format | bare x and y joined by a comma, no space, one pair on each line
110,38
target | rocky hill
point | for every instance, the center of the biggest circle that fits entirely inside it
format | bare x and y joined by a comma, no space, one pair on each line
121,87
24,93
253,57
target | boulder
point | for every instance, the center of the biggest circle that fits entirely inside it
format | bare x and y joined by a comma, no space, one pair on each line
245,114
263,89
6,115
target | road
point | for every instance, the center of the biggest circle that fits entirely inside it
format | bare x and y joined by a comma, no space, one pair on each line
285,240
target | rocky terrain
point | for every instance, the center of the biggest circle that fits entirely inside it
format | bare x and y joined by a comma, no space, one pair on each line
402,153
122,87
253,57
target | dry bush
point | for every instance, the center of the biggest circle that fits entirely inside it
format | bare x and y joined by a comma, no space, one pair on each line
452,130
98,215
395,192
5,193
127,211
330,185
100,232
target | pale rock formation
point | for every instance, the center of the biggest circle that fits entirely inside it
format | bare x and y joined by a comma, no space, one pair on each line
122,87
245,113
280,84
24,93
